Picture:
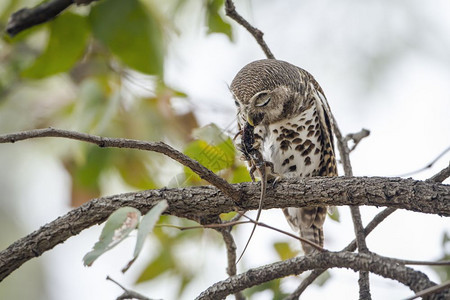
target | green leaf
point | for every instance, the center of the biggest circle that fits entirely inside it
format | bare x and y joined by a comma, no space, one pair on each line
215,158
68,38
145,227
119,224
284,251
162,263
97,160
130,32
240,174
215,22
227,216
210,134
334,214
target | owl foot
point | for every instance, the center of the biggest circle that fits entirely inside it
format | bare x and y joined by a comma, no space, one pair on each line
276,179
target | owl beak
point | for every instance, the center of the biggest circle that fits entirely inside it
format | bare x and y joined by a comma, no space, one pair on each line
250,120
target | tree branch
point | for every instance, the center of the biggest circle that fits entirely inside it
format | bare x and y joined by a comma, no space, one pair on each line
128,294
429,165
205,202
356,137
231,256
415,280
439,177
105,142
29,17
344,150
231,12
432,290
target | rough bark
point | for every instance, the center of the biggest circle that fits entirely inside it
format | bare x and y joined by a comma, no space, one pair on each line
415,280
203,202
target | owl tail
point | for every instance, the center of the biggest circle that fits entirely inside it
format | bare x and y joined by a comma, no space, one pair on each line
313,234
309,221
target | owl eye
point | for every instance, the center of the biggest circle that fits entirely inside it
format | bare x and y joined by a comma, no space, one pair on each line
262,99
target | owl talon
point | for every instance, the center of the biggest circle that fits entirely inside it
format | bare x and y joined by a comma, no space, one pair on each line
275,179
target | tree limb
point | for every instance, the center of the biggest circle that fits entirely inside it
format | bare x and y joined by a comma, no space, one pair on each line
203,202
105,142
344,150
415,280
44,12
350,247
438,178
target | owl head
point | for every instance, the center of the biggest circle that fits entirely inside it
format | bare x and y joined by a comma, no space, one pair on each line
267,91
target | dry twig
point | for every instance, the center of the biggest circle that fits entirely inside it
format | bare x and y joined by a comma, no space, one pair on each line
364,286
380,217
128,294
105,142
432,290
230,11
429,165
44,12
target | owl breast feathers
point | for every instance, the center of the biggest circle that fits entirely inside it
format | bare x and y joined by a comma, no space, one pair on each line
292,128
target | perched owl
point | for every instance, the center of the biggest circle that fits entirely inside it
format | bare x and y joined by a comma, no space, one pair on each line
292,129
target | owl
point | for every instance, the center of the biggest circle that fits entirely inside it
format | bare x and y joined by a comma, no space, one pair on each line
292,129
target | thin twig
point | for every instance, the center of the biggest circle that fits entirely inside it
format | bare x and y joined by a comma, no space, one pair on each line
419,262
250,221
428,166
231,256
441,175
356,137
432,290
364,285
231,12
286,233
128,294
159,147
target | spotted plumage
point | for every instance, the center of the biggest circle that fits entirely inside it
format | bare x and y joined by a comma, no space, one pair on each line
292,127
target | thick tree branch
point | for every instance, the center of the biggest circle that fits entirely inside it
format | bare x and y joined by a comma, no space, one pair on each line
44,12
415,280
230,11
105,142
203,202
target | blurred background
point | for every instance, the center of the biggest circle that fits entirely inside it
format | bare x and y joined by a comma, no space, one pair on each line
159,71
